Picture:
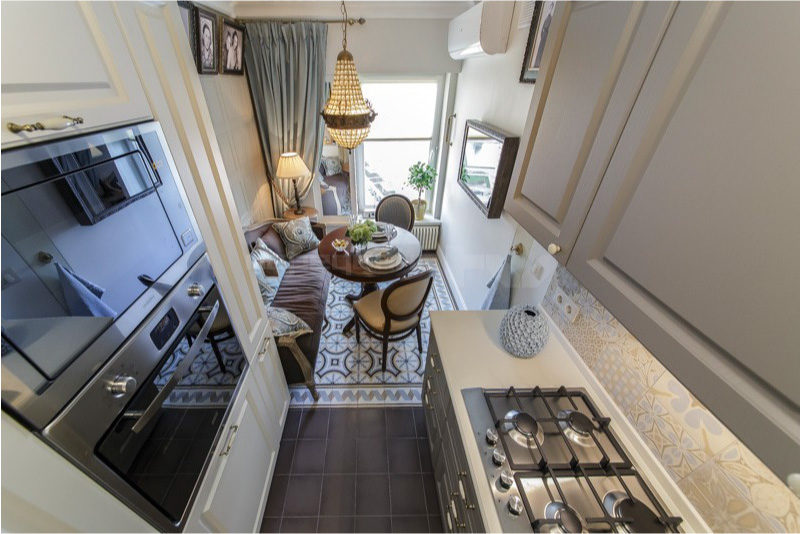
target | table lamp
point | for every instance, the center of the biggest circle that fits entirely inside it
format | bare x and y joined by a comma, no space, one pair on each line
291,167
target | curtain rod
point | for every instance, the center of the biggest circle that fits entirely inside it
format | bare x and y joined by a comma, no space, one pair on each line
350,21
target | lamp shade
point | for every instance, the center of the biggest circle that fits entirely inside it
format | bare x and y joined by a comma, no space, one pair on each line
347,114
291,166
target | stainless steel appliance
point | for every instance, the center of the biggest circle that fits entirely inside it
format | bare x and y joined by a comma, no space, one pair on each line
95,233
117,348
554,465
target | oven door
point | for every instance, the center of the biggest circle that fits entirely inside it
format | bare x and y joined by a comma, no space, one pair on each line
147,423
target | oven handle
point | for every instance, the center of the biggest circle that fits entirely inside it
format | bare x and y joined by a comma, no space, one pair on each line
176,377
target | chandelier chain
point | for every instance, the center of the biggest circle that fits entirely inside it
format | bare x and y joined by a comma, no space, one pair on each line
344,26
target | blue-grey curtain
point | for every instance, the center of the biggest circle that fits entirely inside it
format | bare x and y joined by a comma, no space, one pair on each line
286,72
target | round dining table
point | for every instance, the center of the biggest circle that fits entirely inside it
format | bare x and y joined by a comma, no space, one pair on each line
346,264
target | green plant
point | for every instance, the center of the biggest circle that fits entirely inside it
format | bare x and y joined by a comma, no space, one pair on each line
362,232
421,177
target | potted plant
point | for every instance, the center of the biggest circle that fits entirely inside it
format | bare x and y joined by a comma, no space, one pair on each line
421,177
361,233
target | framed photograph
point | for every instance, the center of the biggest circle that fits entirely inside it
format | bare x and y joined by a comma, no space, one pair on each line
537,38
206,41
231,48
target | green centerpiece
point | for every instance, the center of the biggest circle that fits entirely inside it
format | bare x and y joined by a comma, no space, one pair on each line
361,233
421,177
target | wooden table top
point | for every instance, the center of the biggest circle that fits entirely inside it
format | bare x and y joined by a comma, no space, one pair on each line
346,265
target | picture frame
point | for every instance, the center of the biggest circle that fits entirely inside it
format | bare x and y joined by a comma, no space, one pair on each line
205,33
231,47
541,21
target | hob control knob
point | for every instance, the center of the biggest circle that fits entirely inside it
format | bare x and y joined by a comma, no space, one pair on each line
515,505
491,436
121,385
498,457
506,479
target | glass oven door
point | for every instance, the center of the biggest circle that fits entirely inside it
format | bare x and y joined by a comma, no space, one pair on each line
161,443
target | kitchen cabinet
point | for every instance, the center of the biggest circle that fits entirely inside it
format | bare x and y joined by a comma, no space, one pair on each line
596,57
66,58
692,238
234,491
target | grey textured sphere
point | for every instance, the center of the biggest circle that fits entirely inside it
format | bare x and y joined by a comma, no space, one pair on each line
524,331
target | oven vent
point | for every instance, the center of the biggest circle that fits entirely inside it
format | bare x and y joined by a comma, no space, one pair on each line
428,235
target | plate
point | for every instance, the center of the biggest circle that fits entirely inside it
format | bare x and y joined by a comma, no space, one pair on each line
370,259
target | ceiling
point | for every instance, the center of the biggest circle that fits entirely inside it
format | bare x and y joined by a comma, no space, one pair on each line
382,9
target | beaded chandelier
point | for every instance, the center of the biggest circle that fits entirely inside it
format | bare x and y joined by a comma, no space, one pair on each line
347,114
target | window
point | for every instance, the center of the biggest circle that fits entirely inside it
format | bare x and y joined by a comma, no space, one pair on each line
404,132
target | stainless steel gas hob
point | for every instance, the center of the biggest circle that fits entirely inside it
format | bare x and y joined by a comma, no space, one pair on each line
554,465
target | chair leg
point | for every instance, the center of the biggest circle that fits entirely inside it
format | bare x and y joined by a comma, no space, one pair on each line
217,353
385,350
358,331
419,339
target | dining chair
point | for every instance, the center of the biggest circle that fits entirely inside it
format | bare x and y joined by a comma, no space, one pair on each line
221,329
397,210
394,313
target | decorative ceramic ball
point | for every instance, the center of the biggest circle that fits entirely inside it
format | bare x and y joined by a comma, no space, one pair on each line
524,331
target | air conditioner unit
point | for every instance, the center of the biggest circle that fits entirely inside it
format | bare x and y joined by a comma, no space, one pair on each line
481,30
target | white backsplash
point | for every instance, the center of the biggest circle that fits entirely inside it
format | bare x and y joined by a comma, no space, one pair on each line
731,488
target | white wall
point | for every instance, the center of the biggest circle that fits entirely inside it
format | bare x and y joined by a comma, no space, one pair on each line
472,247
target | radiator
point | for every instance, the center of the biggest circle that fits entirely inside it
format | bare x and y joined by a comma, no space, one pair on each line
428,236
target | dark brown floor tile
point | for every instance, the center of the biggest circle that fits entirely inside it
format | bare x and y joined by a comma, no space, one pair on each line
292,423
283,465
371,455
338,495
408,495
309,456
343,423
410,523
336,524
373,524
340,455
426,466
400,423
431,500
372,494
314,423
419,422
276,497
403,455
271,524
299,524
302,496
435,523
371,423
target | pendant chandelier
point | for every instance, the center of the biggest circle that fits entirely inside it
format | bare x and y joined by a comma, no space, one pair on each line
347,114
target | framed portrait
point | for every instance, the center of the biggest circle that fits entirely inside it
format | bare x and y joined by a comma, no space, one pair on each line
206,54
231,48
537,38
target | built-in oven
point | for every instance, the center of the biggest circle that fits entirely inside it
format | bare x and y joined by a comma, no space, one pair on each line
146,425
95,232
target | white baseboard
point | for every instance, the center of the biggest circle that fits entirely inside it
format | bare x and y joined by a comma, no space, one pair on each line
451,281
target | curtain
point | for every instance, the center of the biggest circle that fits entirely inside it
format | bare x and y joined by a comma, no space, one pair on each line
286,72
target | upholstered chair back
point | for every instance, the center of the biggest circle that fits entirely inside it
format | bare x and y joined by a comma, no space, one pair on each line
406,297
397,210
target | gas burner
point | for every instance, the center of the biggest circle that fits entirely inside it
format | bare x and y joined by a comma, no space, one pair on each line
634,515
578,427
566,518
522,428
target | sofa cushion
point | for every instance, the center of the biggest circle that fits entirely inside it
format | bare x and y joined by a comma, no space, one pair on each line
297,235
304,291
285,323
273,240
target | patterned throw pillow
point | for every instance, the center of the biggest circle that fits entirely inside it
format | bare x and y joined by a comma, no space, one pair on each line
286,324
332,166
262,256
297,236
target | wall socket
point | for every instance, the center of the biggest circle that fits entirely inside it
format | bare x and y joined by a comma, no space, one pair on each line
566,306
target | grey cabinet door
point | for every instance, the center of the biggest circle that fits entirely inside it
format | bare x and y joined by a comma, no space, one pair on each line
693,238
597,55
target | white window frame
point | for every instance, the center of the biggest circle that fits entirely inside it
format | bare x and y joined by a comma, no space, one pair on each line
357,155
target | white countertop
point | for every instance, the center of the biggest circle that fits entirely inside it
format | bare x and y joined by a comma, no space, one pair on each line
472,356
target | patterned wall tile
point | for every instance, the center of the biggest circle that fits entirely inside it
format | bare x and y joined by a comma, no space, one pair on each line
729,486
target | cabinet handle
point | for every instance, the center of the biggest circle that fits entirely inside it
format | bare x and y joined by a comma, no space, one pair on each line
231,439
54,123
553,249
